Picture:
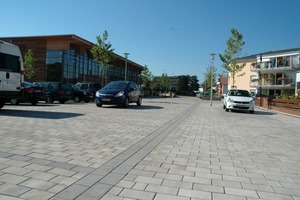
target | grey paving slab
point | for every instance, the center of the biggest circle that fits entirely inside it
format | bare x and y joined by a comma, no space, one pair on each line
169,148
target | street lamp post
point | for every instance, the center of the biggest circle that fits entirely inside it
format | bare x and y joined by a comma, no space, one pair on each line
212,55
126,56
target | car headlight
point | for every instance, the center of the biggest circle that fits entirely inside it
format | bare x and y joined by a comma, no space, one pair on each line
230,100
119,94
97,94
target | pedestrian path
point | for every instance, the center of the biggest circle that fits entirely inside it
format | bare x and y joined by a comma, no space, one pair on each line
100,181
169,148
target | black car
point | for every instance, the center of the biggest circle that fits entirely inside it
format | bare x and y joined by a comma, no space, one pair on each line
119,93
29,93
79,95
91,87
56,91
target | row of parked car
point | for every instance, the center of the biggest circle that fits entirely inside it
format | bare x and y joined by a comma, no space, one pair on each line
57,91
120,93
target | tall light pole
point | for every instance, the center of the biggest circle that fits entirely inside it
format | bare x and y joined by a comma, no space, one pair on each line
212,55
126,56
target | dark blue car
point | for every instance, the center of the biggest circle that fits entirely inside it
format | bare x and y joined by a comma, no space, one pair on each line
119,93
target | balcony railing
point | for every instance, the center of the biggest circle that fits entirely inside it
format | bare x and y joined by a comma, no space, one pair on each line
268,66
271,83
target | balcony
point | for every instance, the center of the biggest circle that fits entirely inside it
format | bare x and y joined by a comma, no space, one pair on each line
283,83
267,67
254,83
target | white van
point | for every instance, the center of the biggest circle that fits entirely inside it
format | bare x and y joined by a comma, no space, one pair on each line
11,72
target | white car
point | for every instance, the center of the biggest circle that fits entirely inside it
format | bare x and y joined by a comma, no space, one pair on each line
238,99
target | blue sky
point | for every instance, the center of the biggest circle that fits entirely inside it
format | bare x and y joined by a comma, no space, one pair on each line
171,36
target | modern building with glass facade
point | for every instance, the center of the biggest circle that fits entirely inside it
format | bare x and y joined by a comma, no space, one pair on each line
67,58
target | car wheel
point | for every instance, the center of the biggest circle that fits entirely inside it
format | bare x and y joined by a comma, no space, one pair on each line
77,99
92,97
126,104
251,111
139,103
224,106
49,99
2,103
98,104
14,102
226,109
33,102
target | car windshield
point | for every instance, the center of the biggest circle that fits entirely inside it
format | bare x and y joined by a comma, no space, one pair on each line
242,93
28,84
76,87
116,85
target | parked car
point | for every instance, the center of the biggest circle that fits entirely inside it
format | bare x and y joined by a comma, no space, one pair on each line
56,91
81,95
29,93
119,93
91,87
238,99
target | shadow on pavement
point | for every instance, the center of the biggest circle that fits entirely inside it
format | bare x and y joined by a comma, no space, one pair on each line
135,107
37,114
256,112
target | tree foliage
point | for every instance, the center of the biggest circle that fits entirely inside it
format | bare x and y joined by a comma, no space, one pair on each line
164,82
232,53
29,64
147,76
208,76
186,85
102,52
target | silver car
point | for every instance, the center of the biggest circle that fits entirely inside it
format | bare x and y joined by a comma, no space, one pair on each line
238,99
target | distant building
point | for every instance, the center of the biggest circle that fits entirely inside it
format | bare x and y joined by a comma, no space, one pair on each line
67,58
172,79
222,85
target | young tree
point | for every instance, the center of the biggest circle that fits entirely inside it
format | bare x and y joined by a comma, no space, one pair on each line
232,53
147,76
29,64
164,82
103,53
208,77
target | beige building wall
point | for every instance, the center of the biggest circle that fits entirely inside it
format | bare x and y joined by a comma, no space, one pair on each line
243,79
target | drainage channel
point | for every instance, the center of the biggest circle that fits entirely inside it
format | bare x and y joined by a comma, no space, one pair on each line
97,183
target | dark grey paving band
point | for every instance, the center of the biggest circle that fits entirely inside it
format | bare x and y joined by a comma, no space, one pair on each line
97,183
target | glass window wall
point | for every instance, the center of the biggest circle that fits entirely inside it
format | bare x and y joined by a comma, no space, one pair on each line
66,66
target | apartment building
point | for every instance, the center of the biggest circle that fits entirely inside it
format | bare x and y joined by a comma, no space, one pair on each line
246,78
271,73
277,71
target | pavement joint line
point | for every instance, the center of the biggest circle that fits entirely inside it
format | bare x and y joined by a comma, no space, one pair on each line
111,175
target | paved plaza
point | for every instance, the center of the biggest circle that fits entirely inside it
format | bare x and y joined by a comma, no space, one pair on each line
168,149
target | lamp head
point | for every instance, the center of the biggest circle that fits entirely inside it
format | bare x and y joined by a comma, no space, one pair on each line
212,55
126,55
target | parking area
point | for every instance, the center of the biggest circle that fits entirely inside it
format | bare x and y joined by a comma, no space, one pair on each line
168,148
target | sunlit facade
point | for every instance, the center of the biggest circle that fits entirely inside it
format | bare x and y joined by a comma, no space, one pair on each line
67,58
276,72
